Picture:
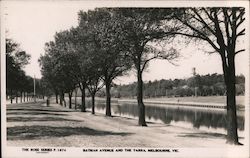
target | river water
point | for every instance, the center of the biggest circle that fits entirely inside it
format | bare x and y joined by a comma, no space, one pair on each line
211,120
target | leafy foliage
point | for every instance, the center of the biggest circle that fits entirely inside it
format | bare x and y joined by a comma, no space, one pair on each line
16,79
208,85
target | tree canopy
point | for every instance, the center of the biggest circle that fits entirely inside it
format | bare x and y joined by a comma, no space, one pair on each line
16,79
108,42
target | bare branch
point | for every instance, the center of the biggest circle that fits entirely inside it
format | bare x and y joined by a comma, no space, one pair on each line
200,37
192,28
188,35
242,12
210,16
241,21
200,34
242,32
146,61
242,50
172,63
226,22
100,87
203,22
219,34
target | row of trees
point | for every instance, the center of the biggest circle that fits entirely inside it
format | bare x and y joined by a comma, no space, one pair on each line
207,85
18,84
82,58
110,41
106,44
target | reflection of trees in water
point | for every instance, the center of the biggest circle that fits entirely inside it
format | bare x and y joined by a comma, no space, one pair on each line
99,105
198,117
126,109
213,119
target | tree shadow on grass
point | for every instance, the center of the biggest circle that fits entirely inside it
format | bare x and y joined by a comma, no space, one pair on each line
204,135
37,110
26,103
32,119
39,132
34,113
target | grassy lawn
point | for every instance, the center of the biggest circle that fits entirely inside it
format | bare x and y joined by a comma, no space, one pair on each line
34,124
207,99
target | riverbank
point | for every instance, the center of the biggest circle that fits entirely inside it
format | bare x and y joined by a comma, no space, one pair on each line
34,124
200,99
218,102
210,102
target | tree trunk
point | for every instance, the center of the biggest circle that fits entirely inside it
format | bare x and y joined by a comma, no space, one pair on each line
11,97
141,106
229,77
57,98
108,98
93,103
70,97
232,134
75,98
21,97
16,97
61,98
24,96
83,108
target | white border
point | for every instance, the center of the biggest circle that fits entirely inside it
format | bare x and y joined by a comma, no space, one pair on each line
234,151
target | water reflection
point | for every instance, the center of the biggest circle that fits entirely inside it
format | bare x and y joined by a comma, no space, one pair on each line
172,114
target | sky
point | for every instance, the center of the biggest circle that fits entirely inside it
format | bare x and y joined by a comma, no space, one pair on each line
31,24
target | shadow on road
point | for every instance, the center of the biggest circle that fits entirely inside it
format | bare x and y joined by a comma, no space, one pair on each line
39,132
204,135
34,113
33,119
36,110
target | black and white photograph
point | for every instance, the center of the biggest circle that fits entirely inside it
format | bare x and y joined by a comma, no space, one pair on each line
124,78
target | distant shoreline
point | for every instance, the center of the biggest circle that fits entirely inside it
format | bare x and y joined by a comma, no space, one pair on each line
214,102
210,102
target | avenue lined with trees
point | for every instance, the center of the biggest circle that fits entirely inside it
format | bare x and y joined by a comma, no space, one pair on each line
111,42
19,85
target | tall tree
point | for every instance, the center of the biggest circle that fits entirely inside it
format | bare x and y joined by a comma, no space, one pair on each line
93,69
66,66
46,64
79,37
143,29
221,28
61,72
58,66
111,54
16,59
94,84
